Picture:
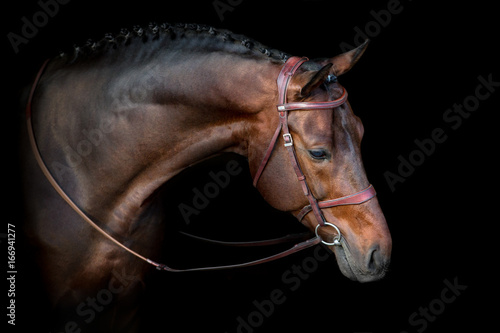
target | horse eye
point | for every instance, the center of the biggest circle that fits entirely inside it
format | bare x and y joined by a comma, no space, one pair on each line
318,154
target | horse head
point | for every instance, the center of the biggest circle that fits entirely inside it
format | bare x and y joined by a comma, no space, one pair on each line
326,147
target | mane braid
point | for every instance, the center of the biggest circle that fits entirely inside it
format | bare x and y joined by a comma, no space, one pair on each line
153,32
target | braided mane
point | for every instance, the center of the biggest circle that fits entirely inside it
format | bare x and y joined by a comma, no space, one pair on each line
165,31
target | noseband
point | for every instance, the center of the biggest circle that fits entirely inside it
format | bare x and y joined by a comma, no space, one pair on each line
284,78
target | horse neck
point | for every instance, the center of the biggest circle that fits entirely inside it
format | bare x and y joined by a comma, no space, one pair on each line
196,105
154,120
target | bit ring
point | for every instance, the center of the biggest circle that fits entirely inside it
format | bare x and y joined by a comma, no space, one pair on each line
336,240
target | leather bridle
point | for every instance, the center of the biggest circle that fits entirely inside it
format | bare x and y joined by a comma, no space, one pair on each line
284,78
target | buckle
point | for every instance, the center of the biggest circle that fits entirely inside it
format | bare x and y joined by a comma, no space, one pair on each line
288,139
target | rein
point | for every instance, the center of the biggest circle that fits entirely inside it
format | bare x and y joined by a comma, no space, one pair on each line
284,78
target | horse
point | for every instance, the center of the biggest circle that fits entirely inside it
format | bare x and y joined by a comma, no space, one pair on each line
112,121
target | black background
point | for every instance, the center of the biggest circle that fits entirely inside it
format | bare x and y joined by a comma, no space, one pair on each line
442,217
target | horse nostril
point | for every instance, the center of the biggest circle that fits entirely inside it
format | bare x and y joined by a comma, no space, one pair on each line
375,260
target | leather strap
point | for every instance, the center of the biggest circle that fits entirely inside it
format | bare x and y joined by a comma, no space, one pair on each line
267,155
353,199
296,248
286,73
51,179
314,105
266,242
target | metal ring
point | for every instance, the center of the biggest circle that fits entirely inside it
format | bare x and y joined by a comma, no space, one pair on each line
336,241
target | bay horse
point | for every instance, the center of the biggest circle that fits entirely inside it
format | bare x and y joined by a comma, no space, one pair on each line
112,121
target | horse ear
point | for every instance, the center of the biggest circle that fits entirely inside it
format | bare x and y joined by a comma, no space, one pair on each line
345,61
317,78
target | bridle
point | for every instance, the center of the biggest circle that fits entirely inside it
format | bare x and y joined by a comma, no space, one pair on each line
284,78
